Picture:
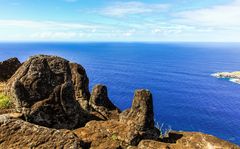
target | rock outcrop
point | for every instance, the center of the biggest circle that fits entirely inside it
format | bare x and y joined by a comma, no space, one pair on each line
141,112
100,102
135,124
42,89
52,92
8,68
16,134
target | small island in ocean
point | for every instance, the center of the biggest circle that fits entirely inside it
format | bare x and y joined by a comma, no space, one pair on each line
231,76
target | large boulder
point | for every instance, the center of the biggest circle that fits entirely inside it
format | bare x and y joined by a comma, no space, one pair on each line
141,112
42,89
100,102
8,68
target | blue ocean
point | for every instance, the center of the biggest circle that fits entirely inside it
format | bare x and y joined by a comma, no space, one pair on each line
186,96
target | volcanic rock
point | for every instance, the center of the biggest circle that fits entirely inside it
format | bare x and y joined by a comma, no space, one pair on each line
135,124
8,68
100,102
42,89
80,82
141,112
112,133
15,133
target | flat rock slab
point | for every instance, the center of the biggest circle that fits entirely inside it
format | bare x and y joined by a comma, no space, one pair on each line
111,133
15,133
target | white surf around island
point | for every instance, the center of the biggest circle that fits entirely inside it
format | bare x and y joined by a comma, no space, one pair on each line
234,80
231,76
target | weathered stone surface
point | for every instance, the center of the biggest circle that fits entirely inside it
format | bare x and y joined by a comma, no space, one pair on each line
20,134
141,112
42,89
100,133
80,82
100,102
5,117
8,68
188,140
104,133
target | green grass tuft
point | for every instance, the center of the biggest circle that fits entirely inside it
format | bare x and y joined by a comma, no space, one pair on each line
4,101
114,137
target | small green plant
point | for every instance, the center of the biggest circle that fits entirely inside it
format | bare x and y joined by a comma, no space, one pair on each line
4,101
114,137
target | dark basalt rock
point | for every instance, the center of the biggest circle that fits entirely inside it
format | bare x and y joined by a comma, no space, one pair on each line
42,89
8,68
100,102
141,112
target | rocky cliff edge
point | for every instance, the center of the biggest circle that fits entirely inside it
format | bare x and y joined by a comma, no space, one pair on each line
53,108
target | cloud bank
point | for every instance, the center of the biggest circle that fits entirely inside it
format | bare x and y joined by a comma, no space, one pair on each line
133,21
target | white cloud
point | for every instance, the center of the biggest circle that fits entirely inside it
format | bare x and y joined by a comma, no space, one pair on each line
54,35
45,30
44,25
129,33
217,16
120,9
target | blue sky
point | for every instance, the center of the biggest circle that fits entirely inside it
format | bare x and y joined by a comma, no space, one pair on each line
120,20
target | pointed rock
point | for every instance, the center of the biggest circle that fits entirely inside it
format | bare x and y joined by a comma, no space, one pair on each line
100,102
141,112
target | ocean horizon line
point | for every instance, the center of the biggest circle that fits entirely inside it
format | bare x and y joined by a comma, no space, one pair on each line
150,42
